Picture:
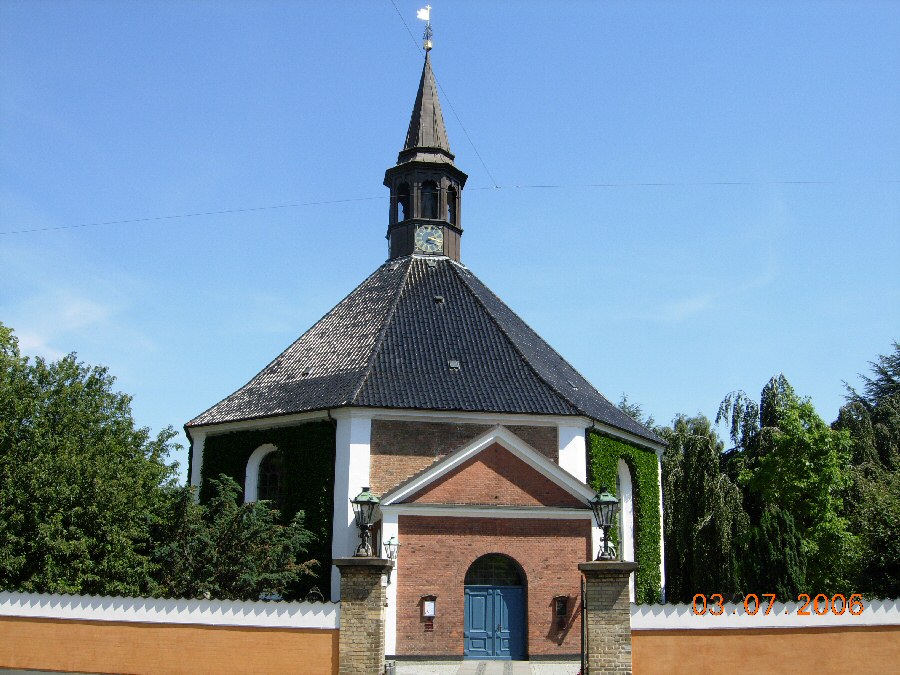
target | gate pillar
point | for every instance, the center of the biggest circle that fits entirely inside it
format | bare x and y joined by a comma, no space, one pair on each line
363,596
607,617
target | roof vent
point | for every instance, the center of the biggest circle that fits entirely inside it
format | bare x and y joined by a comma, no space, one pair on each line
572,384
439,299
454,364
431,262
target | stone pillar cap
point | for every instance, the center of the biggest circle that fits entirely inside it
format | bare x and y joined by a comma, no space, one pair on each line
361,561
608,566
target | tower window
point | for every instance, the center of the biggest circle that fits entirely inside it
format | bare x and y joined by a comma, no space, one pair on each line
429,199
270,484
451,205
403,202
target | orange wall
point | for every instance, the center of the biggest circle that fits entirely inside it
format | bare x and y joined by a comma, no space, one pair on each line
823,651
118,647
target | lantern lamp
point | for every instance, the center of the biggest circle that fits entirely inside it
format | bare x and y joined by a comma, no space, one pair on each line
605,506
364,505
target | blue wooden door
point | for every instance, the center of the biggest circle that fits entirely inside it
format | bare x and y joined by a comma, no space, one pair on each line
494,622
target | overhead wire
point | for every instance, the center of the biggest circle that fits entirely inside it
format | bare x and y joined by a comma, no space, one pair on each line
549,186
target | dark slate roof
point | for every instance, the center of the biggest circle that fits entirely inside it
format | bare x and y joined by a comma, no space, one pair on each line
390,342
426,139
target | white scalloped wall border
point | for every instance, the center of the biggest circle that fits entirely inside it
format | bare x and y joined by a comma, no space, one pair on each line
317,615
782,615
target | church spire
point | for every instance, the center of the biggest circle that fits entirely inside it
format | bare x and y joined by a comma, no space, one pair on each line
426,187
427,136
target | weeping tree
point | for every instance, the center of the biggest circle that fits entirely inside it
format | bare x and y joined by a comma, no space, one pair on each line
787,459
705,524
872,418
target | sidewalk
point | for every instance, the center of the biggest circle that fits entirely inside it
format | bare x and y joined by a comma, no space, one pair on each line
487,667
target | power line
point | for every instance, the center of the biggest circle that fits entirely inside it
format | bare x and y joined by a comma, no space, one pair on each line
193,215
549,186
448,101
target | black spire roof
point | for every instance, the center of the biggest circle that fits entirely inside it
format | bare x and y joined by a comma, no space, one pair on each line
421,333
426,139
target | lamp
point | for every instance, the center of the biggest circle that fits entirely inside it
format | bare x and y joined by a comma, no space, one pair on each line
391,547
364,510
605,506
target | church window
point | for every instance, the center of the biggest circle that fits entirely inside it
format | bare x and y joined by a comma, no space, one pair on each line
451,206
494,569
270,483
429,199
403,202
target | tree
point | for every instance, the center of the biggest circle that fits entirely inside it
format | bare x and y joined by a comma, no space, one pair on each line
873,499
704,521
226,549
80,486
787,458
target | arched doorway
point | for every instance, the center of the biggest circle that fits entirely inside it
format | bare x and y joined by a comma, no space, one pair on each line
495,609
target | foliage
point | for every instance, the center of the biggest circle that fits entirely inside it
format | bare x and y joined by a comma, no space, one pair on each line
81,488
228,549
786,457
308,452
873,500
775,559
604,454
705,523
636,412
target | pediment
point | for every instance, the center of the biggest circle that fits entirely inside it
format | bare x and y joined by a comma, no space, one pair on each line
496,469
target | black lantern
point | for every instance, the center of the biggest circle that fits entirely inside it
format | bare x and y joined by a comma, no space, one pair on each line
605,506
364,509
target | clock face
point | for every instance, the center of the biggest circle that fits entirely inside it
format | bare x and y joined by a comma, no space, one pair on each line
429,239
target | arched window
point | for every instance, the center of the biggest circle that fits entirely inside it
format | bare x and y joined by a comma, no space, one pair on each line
270,483
626,516
451,205
429,199
494,569
403,202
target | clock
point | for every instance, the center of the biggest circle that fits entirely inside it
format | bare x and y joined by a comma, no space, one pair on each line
429,239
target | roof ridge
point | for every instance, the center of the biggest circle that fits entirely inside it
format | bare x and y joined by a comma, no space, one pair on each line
513,344
283,351
379,341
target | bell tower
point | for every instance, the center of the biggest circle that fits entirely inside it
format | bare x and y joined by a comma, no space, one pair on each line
426,187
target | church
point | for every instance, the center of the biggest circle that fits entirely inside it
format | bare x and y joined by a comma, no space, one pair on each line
482,444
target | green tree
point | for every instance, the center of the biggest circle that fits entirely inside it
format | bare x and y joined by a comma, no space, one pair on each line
81,487
705,524
872,418
227,549
787,458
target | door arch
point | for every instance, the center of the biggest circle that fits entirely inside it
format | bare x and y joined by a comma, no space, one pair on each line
494,609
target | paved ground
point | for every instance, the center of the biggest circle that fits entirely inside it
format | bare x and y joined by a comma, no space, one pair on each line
487,668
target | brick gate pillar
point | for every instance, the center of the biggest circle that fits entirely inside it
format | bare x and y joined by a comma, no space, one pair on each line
363,595
607,618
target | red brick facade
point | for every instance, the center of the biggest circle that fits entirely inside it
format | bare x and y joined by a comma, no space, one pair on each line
437,552
400,450
496,477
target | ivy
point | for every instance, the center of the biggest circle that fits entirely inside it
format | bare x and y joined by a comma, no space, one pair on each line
308,451
604,453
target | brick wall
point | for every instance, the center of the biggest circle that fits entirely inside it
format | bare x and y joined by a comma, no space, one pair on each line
400,450
362,615
437,552
496,477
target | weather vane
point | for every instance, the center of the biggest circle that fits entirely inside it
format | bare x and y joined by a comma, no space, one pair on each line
425,15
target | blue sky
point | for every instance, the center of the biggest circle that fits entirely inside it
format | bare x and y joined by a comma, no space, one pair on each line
674,293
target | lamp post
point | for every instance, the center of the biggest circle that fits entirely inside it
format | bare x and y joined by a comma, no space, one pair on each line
605,506
364,510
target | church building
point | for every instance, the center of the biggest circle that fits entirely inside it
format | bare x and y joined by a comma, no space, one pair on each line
483,445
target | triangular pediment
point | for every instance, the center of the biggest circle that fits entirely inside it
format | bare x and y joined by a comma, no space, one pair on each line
496,469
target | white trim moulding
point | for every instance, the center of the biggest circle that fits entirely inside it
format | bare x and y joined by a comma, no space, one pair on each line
317,615
782,615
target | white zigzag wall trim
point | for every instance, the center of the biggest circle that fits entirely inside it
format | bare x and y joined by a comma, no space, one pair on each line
781,615
320,615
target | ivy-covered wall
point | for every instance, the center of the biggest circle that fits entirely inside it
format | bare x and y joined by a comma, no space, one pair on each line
308,451
604,453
